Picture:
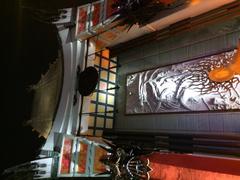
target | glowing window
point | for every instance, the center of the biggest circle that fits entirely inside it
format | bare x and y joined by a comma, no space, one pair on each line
109,123
105,53
112,91
112,77
100,122
111,85
113,66
110,99
94,96
97,61
90,132
105,63
102,98
101,108
113,69
98,132
109,108
91,121
92,107
110,114
103,75
103,85
114,59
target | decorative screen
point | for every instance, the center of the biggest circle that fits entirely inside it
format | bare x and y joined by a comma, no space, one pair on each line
82,158
183,87
102,106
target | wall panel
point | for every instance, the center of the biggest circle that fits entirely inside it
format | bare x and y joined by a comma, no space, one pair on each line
178,48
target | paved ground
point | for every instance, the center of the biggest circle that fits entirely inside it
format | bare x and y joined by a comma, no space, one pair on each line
46,99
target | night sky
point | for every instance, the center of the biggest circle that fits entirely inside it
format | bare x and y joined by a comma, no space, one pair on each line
28,47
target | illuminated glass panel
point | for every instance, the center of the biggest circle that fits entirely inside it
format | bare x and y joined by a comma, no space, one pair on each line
113,66
90,121
112,91
104,75
110,85
102,100
92,107
90,132
98,132
109,108
112,77
100,122
110,99
110,114
101,108
97,61
102,97
104,63
109,123
103,85
113,70
105,53
114,59
94,96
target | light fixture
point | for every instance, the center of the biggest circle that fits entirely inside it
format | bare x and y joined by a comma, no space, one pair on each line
222,74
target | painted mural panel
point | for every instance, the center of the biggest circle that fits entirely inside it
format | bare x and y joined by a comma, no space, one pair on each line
66,156
82,19
184,87
82,158
98,166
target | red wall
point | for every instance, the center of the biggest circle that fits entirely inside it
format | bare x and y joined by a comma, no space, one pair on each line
180,166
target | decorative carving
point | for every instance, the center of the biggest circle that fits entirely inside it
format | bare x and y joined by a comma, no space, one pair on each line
183,87
126,163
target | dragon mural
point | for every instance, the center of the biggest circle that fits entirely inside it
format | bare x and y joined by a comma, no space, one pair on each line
185,86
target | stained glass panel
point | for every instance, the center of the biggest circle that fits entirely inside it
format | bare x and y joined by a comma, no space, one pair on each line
100,122
109,123
66,156
102,97
110,99
105,63
104,75
112,77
